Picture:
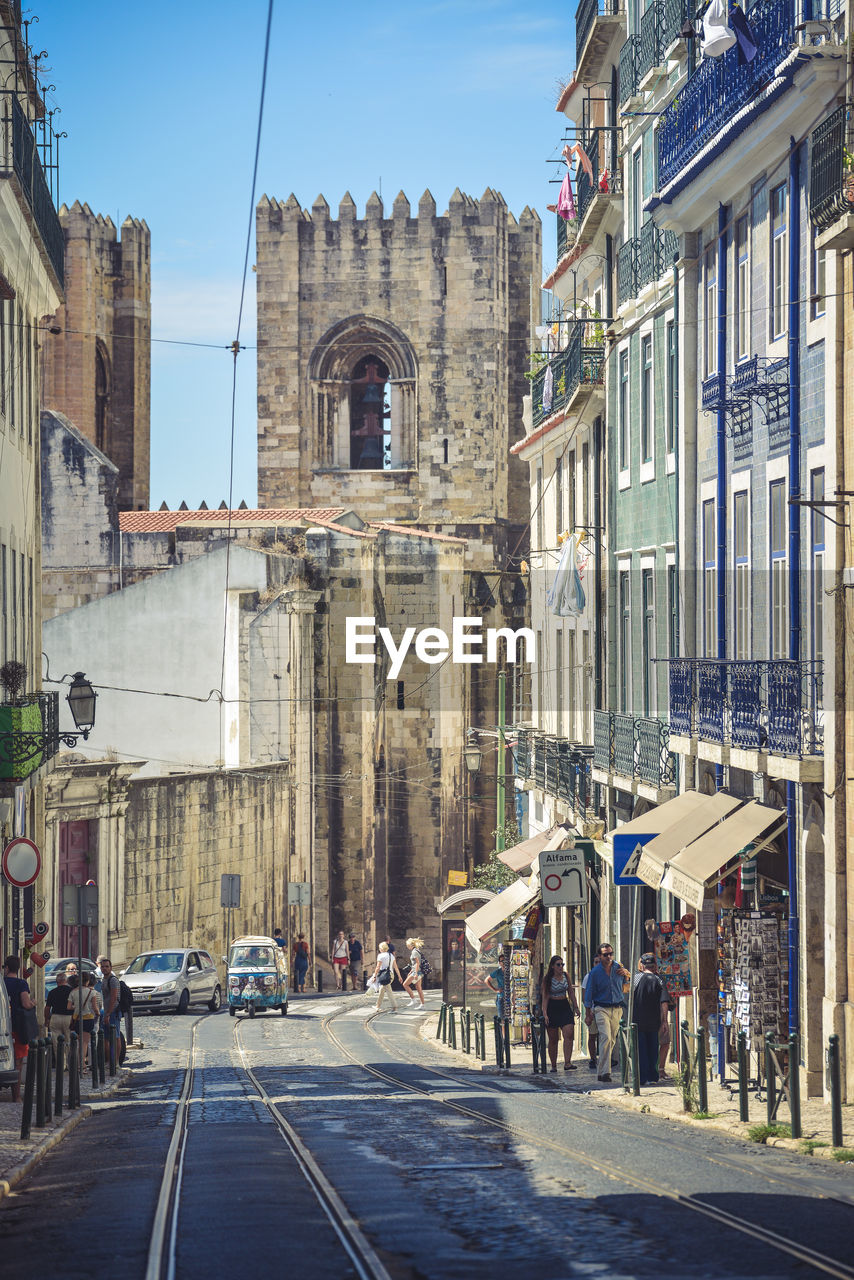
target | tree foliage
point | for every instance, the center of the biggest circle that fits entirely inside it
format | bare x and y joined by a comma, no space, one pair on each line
493,874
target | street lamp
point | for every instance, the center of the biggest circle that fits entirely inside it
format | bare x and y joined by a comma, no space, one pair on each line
473,756
81,699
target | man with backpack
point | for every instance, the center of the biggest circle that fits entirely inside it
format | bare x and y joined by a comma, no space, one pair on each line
111,1013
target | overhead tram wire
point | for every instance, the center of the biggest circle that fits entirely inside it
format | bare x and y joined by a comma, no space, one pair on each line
236,351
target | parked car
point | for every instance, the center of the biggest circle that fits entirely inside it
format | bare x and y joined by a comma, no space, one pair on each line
53,967
8,1069
173,978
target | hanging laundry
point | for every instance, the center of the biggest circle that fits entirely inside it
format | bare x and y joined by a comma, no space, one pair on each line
744,34
717,36
583,158
566,597
566,200
548,389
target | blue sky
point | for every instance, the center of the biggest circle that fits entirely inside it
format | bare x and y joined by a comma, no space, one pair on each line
160,106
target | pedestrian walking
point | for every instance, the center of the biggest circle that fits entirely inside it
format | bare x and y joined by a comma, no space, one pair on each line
300,963
357,956
57,1019
649,1014
415,976
277,937
383,976
592,1033
111,1014
85,1009
495,982
603,1003
25,1025
560,1009
340,958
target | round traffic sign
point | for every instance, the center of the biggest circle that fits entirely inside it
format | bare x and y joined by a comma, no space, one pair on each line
22,862
552,882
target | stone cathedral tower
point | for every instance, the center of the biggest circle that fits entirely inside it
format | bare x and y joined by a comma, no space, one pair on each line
97,368
391,355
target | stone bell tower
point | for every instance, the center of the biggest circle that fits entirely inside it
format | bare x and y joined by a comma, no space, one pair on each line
391,358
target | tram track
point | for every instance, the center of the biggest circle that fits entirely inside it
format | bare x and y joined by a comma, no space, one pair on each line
161,1260
721,1217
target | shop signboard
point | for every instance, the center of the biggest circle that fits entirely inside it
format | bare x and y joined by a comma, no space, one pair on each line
674,957
563,880
458,878
627,854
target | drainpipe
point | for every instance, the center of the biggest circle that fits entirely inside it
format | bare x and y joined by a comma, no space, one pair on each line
676,416
723,218
598,514
794,551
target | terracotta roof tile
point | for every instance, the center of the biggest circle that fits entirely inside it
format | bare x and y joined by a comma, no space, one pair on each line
168,521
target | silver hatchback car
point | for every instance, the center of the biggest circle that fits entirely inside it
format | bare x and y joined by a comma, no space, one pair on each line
173,978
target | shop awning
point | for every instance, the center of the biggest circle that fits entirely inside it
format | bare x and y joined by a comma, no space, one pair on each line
704,813
700,863
521,856
659,819
501,910
559,838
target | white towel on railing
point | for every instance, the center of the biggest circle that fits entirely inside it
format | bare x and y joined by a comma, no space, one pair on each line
718,36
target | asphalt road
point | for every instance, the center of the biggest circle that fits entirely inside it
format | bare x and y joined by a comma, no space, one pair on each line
569,1189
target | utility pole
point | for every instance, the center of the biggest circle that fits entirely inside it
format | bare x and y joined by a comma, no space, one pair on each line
499,780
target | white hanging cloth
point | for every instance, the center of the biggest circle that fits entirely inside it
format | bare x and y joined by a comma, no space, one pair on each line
718,36
566,595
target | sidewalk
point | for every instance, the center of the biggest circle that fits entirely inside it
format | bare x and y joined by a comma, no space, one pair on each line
665,1099
17,1158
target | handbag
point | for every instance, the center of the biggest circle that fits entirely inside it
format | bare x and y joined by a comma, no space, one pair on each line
384,976
25,1024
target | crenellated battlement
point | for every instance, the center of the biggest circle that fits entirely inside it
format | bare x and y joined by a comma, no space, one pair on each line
79,221
460,205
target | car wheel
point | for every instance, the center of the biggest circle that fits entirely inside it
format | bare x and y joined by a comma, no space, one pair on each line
283,1009
184,1002
215,1001
231,1011
251,1011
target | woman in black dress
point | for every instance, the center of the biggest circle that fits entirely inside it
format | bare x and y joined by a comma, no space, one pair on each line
560,1009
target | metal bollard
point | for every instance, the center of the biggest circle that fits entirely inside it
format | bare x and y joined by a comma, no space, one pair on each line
73,1066
60,1072
452,1028
102,1075
40,1083
743,1103
29,1090
835,1071
93,1059
507,1043
468,1030
535,1044
441,1024
477,1046
114,1048
702,1074
48,1078
633,1052
364,979
770,1079
482,1020
499,1042
319,981
795,1084
685,1064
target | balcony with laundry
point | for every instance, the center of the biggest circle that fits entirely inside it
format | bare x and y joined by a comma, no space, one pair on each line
632,753
598,25
559,768
590,202
751,59
765,716
565,379
831,191
645,55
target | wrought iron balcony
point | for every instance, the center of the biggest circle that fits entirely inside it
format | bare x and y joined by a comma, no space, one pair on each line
578,365
29,735
629,78
20,156
566,232
595,23
767,705
633,747
720,87
832,169
522,753
561,768
651,32
603,148
644,260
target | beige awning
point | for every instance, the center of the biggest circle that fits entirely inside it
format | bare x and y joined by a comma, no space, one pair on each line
658,820
700,863
501,910
703,814
521,856
560,837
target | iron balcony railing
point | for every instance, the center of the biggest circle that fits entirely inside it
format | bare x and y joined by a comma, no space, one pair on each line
29,734
562,769
629,78
651,32
579,364
20,156
603,147
565,235
644,259
720,87
832,169
773,705
585,16
633,747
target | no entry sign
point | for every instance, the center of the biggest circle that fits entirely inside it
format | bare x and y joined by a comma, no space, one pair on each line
562,878
22,862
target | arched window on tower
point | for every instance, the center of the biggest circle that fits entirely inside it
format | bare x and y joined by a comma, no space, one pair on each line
370,415
102,400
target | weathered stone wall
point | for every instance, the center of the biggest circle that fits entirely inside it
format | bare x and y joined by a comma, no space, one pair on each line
97,369
183,833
